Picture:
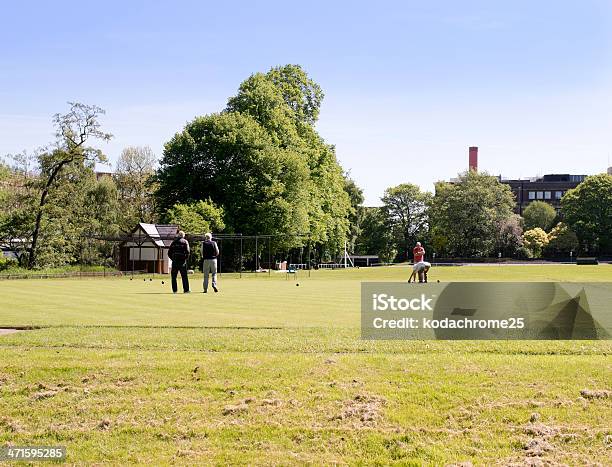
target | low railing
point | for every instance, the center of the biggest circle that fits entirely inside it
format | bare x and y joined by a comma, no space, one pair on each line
71,274
333,265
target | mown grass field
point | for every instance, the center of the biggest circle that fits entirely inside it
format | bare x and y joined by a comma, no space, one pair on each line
267,372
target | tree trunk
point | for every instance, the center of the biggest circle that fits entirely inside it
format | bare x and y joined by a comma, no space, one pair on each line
39,214
32,256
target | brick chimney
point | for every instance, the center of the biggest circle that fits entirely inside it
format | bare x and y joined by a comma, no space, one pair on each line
473,159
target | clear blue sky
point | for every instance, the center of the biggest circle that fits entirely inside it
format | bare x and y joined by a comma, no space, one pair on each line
408,85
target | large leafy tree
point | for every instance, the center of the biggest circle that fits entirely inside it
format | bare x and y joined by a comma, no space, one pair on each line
539,214
231,159
468,212
587,209
405,210
74,130
56,201
285,101
263,162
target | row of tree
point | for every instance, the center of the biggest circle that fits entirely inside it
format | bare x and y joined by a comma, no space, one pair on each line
52,203
257,167
474,217
260,167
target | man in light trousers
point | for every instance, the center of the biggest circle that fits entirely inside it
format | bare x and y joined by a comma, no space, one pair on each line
210,252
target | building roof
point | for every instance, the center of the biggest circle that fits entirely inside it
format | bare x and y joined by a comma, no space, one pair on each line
166,231
548,178
160,234
152,232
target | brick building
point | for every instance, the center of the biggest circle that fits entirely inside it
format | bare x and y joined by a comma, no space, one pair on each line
549,188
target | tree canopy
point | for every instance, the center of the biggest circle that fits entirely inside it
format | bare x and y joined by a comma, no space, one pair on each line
262,161
539,214
587,209
469,213
405,209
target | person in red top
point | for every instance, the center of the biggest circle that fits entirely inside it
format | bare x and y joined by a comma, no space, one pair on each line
418,253
419,267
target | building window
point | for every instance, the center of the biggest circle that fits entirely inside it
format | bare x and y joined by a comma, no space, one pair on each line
540,195
558,194
532,195
547,195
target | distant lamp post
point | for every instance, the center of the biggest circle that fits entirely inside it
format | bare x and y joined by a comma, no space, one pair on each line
434,257
571,254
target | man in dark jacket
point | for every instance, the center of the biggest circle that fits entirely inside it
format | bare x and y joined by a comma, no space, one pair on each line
179,254
210,251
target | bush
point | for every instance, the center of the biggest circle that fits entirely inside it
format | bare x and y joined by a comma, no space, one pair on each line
561,239
535,240
524,252
539,214
7,263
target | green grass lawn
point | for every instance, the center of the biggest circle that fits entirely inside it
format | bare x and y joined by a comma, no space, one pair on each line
267,372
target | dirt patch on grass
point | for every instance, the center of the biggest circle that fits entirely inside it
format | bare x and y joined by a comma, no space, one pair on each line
364,409
240,407
250,402
536,447
545,444
7,331
235,409
272,402
596,394
40,395
104,424
541,430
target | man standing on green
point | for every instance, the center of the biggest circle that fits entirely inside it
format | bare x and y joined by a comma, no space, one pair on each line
210,252
179,254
